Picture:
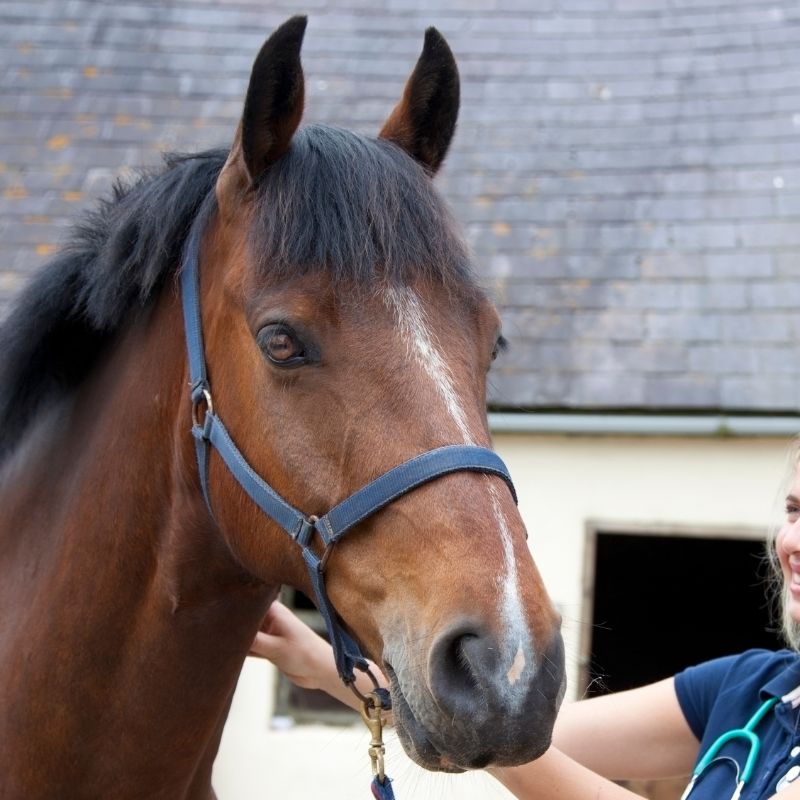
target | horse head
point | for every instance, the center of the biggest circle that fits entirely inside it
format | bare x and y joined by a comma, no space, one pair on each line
344,335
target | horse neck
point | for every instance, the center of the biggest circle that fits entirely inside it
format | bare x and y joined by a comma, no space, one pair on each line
120,578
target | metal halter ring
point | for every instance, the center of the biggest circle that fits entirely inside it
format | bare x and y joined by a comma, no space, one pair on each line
367,700
205,400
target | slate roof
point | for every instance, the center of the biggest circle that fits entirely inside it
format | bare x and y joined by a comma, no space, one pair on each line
627,171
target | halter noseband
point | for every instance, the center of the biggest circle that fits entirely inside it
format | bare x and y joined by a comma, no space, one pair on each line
208,431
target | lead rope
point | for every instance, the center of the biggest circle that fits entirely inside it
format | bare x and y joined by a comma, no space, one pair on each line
372,709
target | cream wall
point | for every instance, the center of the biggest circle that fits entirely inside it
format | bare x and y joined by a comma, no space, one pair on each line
565,483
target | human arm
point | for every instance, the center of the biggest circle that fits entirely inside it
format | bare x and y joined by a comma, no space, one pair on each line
304,656
555,776
640,733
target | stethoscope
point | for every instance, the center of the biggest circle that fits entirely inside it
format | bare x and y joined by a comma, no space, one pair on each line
747,733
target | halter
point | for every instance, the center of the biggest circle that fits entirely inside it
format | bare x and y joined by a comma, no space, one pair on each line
208,432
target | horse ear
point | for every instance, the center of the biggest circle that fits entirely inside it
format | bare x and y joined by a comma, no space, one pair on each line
272,108
424,120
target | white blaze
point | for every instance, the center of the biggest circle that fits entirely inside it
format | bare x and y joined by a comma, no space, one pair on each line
421,347
414,330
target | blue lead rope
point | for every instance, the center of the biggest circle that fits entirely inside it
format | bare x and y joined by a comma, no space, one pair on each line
209,431
382,791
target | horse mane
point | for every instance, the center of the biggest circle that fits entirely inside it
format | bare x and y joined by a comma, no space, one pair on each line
115,260
360,208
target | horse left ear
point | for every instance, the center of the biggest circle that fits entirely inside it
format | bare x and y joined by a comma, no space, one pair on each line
272,109
424,120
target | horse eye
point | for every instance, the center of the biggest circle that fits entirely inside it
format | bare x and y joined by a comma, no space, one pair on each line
281,346
500,346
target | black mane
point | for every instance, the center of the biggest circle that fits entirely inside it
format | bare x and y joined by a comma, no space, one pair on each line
116,259
357,207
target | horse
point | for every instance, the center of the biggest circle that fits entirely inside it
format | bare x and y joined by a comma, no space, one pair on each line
343,336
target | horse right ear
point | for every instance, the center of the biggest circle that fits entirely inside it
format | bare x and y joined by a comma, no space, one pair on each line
272,110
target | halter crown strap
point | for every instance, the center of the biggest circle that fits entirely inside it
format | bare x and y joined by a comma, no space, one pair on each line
211,432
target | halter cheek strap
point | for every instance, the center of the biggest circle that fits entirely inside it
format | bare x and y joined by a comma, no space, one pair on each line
209,431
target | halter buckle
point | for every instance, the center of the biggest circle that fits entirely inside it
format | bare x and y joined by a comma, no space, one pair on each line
305,531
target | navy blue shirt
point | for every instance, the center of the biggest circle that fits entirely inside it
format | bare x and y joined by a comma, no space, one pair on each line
725,693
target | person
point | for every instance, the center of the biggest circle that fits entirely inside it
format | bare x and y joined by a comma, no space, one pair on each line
665,729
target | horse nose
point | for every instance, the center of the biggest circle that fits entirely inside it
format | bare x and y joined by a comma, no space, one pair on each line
497,688
467,671
456,667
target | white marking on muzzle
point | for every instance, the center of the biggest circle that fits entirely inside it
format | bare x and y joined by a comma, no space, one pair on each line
513,613
416,332
517,666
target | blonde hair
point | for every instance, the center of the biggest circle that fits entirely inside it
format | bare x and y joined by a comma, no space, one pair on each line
777,586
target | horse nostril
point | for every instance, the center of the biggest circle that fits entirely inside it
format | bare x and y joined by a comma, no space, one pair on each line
457,660
460,663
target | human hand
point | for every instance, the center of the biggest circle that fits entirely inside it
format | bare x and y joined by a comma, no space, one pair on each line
297,651
304,657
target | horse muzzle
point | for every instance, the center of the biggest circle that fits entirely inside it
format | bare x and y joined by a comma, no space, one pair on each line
481,704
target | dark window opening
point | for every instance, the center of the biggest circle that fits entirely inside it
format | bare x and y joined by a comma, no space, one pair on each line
662,603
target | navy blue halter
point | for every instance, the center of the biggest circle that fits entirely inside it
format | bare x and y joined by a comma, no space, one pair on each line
209,431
